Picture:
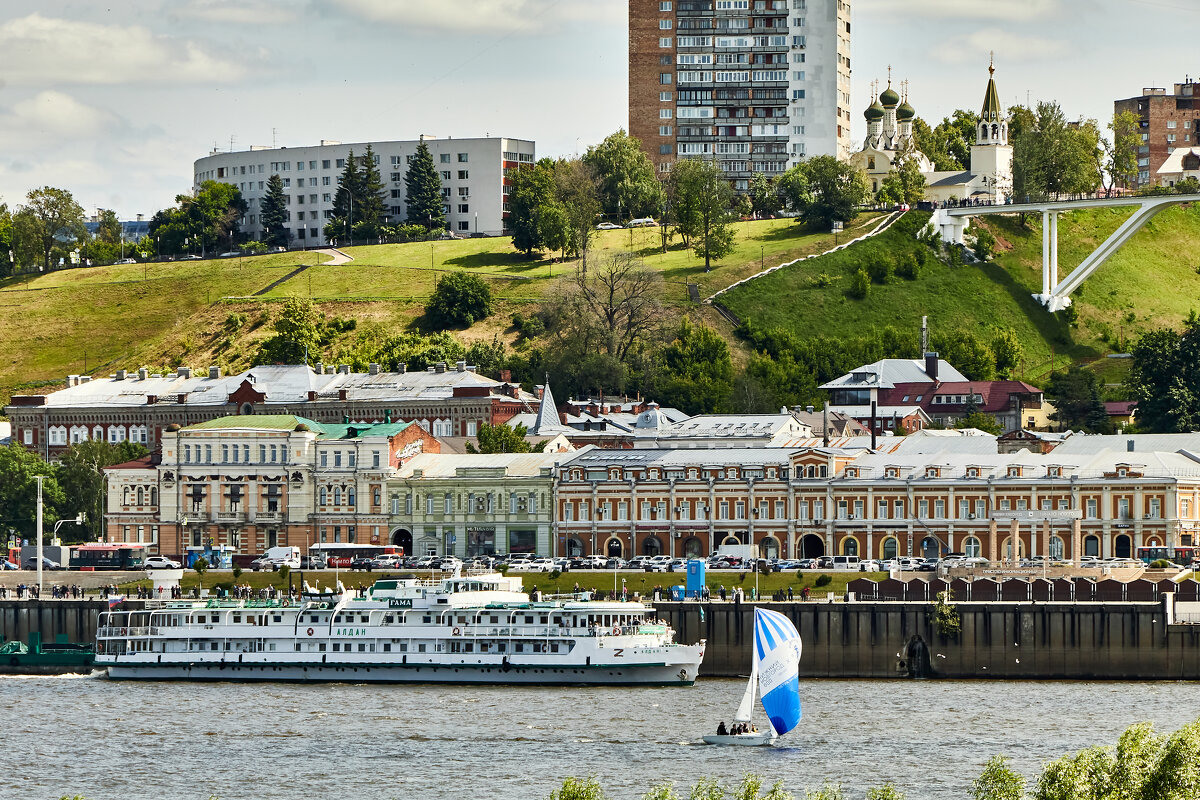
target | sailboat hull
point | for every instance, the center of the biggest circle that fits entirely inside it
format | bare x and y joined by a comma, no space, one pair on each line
741,740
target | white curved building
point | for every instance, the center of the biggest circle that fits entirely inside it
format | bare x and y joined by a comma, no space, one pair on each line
474,188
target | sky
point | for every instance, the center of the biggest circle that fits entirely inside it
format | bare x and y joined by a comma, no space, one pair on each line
114,99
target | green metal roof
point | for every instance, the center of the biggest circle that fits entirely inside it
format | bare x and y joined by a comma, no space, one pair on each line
357,430
874,112
276,422
992,112
890,97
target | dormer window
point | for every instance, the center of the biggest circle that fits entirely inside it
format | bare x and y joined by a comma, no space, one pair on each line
891,472
1014,472
932,472
731,473
972,472
1122,472
1054,472
851,472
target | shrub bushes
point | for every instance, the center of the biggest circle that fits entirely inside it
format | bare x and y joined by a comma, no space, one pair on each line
860,285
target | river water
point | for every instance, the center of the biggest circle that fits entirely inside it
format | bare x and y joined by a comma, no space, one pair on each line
113,740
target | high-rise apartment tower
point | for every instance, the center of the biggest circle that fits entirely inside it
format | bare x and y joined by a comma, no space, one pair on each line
1166,121
756,84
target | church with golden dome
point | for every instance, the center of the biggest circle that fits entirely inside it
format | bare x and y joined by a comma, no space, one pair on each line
889,139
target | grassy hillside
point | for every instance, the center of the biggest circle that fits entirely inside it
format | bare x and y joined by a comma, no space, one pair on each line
159,315
1152,281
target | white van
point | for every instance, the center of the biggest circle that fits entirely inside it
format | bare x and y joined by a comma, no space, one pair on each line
845,563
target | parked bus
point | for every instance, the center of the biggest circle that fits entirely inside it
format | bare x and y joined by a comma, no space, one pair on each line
108,556
340,554
1183,556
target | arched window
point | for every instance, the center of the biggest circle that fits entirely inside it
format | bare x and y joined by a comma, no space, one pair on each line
972,547
337,495
890,547
125,496
995,131
140,496
323,496
1056,548
350,497
153,496
770,547
1091,546
691,547
850,546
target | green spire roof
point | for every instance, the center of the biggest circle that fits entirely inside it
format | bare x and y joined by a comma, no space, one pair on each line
992,111
874,112
905,111
889,98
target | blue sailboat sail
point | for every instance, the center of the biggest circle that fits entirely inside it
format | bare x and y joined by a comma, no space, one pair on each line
777,649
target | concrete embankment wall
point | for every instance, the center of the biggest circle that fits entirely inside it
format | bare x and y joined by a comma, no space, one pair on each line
1126,641
1118,641
76,618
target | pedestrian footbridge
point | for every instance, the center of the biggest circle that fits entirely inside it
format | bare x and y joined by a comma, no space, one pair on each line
1055,295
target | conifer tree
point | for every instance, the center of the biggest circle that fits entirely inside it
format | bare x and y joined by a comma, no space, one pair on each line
423,191
369,208
275,214
346,200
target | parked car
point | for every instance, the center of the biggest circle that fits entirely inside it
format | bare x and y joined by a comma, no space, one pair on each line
385,562
160,562
658,564
47,563
312,562
229,254
362,562
642,222
6,564
450,564
126,261
608,226
190,257
928,565
428,562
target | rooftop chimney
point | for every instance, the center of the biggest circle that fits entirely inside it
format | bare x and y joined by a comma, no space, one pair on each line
344,369
214,372
183,372
320,369
120,375
372,369
931,366
143,373
72,380
85,378
461,366
440,367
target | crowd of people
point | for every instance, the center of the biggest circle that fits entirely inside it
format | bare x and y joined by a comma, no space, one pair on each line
736,729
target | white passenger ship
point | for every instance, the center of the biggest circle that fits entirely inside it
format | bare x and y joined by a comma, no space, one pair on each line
460,629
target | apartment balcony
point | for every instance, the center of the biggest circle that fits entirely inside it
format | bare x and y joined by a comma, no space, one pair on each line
266,517
229,516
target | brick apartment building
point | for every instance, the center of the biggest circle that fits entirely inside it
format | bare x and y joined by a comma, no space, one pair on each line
1168,121
755,84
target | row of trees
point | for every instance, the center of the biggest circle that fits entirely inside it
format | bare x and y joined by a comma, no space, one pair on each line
72,486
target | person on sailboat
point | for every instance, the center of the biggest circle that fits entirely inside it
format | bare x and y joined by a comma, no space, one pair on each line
721,729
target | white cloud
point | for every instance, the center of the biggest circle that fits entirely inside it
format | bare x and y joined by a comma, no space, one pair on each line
43,50
481,16
249,12
951,10
55,113
1010,48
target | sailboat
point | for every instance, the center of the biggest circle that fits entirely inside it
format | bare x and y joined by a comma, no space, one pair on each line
774,678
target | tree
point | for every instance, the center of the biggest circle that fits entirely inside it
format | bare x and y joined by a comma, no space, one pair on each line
702,197
297,338
533,190
698,372
619,301
579,789
981,421
579,196
627,184
823,190
109,229
81,474
860,285
1077,401
56,220
998,781
347,196
458,299
948,144
1165,379
970,355
504,439
1122,151
764,196
1053,157
370,211
274,214
1008,350
7,254
19,469
423,191
985,243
